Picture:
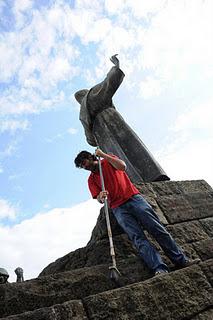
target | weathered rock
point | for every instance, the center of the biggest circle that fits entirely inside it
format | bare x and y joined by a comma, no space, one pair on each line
180,208
54,289
176,296
187,232
94,253
152,201
207,225
207,268
204,249
82,277
175,187
71,310
206,315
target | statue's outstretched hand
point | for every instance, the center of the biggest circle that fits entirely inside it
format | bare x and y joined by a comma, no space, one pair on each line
115,60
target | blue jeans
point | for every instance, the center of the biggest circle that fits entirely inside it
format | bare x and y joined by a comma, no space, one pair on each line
136,214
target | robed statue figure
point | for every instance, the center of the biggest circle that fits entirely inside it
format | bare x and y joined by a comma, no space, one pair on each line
103,125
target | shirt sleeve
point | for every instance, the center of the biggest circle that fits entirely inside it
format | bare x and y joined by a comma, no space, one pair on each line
93,187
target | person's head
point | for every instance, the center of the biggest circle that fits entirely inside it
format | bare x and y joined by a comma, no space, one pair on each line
87,161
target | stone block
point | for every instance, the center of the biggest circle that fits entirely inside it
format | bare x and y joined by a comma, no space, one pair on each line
71,310
166,188
54,289
207,268
146,189
207,225
191,186
180,208
204,249
187,232
178,295
205,315
157,209
189,251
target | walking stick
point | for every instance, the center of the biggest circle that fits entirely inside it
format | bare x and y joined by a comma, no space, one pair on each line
114,272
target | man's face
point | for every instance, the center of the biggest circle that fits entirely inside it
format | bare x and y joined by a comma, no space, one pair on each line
90,165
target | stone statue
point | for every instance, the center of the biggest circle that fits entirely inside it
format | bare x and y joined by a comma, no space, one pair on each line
103,125
20,274
3,276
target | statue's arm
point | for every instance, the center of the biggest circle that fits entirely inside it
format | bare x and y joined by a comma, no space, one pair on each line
112,81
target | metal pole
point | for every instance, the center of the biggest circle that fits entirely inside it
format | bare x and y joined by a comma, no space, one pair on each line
109,230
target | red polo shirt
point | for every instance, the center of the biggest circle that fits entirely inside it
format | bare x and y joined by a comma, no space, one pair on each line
117,183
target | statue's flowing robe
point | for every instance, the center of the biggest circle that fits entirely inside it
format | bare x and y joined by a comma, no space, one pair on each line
104,125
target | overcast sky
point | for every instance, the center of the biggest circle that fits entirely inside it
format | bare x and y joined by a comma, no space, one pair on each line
49,50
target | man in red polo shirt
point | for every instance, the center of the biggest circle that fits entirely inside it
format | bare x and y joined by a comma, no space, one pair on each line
131,210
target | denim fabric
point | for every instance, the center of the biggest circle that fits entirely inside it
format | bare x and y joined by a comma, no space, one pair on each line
134,216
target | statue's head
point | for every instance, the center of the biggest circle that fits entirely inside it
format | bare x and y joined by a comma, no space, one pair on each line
79,95
19,271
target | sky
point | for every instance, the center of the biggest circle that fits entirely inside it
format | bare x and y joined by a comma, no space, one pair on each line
51,49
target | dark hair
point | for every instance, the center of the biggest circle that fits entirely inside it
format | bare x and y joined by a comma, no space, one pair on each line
82,156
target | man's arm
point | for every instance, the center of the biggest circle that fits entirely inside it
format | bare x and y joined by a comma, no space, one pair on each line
115,162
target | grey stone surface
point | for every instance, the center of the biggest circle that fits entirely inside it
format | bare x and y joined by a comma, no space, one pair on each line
55,289
191,186
176,296
178,187
204,248
187,232
81,280
94,254
71,310
207,225
205,315
207,268
158,211
180,208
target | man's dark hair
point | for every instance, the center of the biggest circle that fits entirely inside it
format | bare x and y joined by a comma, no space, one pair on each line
82,156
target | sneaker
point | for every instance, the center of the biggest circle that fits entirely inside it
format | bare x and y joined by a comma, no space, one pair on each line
190,262
160,272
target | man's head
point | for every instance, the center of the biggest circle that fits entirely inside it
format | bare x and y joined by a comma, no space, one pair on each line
87,161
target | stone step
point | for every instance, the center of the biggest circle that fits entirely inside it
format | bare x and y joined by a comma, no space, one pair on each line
66,311
176,296
182,294
76,284
55,289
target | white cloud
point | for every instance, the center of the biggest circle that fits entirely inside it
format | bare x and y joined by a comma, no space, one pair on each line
7,210
38,55
36,242
178,38
150,87
188,153
1,169
72,131
10,149
13,125
189,160
197,117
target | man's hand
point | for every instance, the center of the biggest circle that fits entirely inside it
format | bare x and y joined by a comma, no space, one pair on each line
99,153
115,162
115,60
102,195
